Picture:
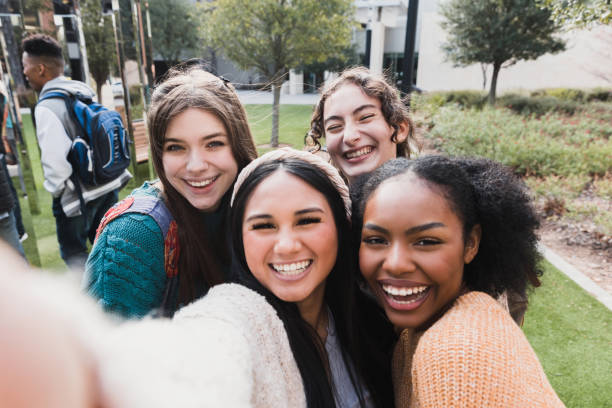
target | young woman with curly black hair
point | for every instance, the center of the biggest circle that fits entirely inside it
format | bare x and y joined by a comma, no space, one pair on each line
439,239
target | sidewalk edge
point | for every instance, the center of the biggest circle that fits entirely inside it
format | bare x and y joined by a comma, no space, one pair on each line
574,274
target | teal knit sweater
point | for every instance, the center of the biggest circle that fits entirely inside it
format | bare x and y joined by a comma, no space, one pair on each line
125,269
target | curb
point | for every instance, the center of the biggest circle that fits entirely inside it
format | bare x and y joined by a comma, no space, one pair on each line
574,274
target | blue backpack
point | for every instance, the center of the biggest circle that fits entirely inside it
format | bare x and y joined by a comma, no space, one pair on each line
99,152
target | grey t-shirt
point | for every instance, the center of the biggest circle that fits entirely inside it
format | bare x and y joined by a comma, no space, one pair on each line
345,394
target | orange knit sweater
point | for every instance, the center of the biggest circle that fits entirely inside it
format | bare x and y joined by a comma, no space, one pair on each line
474,356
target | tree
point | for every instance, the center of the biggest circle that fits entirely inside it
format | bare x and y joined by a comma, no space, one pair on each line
273,36
175,31
100,41
201,12
580,13
497,32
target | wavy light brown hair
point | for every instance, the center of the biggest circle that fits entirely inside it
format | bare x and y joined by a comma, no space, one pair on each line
200,257
393,108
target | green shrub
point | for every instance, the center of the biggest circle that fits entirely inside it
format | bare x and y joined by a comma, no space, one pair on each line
599,94
537,105
545,146
465,99
564,94
561,187
135,96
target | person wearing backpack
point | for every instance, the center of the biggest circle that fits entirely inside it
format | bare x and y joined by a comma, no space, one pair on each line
167,243
78,206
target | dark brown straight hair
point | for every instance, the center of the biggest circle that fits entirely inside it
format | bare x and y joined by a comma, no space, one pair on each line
200,256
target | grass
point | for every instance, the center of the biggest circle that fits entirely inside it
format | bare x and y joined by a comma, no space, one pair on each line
569,330
571,333
294,123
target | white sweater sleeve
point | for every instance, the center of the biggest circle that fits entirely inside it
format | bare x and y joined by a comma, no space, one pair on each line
54,145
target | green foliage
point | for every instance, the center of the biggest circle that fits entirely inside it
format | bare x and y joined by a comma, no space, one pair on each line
559,187
497,32
566,94
135,95
273,36
599,94
550,145
579,13
100,40
127,28
537,105
464,99
175,29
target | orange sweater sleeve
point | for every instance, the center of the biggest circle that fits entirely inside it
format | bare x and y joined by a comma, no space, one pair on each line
476,356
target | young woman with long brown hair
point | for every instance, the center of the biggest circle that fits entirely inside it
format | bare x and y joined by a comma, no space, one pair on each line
165,250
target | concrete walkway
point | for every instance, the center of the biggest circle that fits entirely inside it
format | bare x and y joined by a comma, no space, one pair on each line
262,97
574,274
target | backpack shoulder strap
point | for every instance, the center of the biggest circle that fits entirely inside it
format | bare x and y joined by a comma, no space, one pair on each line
55,93
148,205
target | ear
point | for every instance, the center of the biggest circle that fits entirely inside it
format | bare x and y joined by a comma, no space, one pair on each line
401,133
42,69
472,243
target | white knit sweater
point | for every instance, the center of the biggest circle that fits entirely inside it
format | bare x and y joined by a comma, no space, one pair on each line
228,349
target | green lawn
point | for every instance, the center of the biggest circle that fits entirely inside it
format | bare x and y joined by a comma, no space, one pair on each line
571,333
294,123
569,330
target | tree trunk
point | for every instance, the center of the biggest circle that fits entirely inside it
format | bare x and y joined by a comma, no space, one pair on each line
492,91
483,68
276,90
213,60
99,91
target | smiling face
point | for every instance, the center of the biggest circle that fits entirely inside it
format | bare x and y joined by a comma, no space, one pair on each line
197,158
290,239
357,134
412,250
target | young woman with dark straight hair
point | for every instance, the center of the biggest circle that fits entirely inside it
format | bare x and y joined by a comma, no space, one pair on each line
290,231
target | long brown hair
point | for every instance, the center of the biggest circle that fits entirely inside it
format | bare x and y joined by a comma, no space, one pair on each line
200,256
375,86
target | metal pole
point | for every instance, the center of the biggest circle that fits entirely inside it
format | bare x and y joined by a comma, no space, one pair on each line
82,47
408,68
139,45
21,143
151,70
126,94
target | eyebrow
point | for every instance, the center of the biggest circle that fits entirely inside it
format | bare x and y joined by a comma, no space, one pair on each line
409,231
299,212
207,137
359,109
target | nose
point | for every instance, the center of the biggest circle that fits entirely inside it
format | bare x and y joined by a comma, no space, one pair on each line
196,162
351,133
398,260
287,242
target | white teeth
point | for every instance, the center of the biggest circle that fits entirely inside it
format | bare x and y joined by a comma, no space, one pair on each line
203,183
359,152
403,291
294,268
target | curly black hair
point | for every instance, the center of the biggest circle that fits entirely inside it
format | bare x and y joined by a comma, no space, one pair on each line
480,192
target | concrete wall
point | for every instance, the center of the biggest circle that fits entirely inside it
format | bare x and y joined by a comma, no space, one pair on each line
586,63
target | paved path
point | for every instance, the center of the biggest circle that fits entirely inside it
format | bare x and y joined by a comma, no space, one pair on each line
262,97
